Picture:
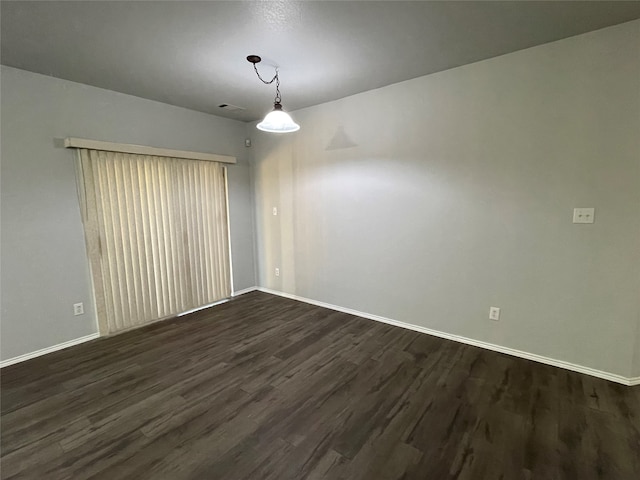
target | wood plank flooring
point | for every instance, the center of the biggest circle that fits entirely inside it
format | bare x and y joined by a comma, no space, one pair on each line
263,387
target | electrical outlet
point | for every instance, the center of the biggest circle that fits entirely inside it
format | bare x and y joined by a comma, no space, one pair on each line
277,272
584,215
494,313
275,211
78,309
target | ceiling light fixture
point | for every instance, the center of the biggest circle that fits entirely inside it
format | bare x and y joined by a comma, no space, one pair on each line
276,121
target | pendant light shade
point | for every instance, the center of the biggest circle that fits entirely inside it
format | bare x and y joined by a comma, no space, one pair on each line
278,121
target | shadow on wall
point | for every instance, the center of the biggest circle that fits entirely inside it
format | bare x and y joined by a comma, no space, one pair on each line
340,140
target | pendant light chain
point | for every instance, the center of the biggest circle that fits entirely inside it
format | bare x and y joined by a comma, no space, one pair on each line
275,78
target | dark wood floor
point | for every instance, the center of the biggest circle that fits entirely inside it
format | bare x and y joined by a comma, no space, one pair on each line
268,388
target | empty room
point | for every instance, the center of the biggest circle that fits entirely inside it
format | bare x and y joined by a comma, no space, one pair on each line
339,240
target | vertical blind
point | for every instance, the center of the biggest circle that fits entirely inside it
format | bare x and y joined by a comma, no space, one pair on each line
157,235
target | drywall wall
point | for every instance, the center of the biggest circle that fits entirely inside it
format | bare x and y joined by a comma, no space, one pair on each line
44,266
431,200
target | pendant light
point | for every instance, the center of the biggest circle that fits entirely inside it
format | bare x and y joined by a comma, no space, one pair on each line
276,121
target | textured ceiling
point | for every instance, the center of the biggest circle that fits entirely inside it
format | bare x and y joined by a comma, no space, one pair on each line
192,54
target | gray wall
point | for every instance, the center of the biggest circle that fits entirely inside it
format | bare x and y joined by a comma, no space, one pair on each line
431,200
44,267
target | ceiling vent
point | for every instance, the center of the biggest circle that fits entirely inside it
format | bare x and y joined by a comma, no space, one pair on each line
231,108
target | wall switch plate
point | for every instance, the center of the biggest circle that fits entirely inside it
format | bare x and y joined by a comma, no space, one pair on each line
277,272
78,308
275,210
584,215
494,313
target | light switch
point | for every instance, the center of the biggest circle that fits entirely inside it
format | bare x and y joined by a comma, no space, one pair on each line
584,215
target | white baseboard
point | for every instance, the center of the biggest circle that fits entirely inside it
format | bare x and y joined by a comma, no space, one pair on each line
469,341
630,381
243,291
44,351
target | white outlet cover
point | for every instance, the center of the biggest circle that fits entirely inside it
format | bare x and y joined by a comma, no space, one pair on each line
275,210
494,313
78,309
584,215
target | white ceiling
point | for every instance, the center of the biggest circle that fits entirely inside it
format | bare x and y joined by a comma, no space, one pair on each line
192,54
